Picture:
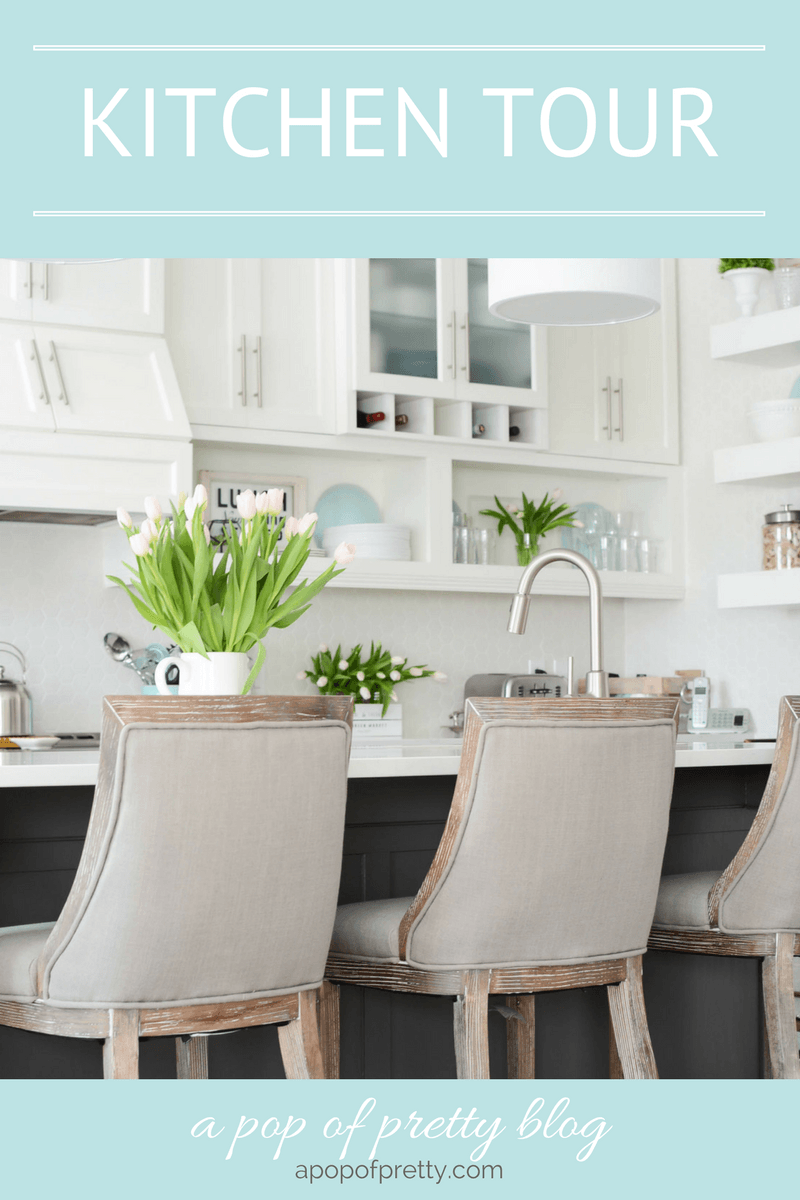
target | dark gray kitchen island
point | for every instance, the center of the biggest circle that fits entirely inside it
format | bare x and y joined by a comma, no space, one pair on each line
704,1013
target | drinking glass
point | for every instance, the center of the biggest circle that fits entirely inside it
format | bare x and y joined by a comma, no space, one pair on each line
481,546
648,555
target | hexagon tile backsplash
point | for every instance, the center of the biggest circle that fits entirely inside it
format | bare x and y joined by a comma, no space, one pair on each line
53,605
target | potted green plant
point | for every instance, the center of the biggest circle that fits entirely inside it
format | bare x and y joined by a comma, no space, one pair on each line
532,521
371,680
747,276
219,602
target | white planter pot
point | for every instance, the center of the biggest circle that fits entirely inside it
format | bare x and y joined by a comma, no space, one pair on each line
747,283
369,721
218,675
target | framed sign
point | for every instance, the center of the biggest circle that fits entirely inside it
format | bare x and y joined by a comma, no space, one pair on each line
224,486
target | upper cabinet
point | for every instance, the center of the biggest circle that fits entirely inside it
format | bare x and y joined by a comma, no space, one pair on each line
613,389
422,326
253,341
124,295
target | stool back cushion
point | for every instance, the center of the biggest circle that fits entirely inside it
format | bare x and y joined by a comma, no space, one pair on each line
559,853
218,870
765,894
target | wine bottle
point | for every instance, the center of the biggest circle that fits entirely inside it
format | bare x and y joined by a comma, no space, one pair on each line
514,431
478,430
400,420
364,420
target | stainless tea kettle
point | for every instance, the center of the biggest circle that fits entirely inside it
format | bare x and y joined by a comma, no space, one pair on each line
15,703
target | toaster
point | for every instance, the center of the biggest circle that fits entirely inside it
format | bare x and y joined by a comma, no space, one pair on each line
538,684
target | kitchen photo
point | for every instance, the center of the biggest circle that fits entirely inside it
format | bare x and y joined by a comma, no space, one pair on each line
399,668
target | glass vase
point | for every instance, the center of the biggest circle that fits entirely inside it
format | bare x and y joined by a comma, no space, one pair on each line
526,551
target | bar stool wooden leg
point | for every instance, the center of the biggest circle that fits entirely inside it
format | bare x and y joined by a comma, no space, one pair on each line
779,1014
471,1026
299,1041
121,1047
329,1028
521,1037
629,1025
614,1064
191,1054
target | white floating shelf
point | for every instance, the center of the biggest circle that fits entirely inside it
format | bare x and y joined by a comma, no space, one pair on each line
451,577
775,462
768,340
757,589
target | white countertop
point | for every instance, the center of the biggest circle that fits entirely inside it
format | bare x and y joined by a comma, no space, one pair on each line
375,758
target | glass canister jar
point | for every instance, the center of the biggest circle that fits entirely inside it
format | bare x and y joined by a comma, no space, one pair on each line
781,535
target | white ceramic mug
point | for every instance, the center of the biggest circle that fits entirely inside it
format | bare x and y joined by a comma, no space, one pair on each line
221,674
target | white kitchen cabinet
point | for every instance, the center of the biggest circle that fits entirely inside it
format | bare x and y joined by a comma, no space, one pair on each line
613,389
253,342
113,383
24,399
125,295
422,326
16,286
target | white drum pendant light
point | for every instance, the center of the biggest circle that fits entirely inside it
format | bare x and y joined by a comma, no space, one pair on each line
574,291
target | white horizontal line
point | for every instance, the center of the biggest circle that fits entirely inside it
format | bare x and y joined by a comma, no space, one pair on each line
398,212
513,49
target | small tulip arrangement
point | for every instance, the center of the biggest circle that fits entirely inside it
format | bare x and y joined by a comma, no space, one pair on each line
368,678
223,600
532,521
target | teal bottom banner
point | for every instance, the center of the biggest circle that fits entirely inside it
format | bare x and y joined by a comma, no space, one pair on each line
355,1138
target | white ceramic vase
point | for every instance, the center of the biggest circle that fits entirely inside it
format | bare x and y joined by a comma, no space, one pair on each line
218,675
747,283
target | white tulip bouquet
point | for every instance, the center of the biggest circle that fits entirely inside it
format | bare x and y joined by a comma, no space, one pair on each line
226,600
366,677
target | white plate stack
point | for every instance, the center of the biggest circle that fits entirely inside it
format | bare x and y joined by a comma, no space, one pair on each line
370,540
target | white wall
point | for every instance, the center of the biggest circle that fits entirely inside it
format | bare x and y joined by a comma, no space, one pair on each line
752,656
53,605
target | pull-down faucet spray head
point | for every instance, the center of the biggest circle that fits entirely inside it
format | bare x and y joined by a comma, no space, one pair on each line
596,678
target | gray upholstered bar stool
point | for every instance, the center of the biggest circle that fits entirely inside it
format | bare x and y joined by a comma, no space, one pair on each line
752,908
545,878
206,892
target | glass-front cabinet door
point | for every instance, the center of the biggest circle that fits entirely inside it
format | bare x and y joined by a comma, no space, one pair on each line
405,326
497,359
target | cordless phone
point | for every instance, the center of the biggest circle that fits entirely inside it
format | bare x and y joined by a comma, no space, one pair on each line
698,718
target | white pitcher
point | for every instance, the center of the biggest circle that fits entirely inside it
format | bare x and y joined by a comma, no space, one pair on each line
218,675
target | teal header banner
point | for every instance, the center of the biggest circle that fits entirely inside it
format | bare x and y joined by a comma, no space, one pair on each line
442,133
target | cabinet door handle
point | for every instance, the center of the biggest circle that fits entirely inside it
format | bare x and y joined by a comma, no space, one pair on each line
243,352
42,385
465,327
451,325
607,390
257,352
46,283
54,360
618,392
28,284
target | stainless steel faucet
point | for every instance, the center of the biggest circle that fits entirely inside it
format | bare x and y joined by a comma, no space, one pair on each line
596,678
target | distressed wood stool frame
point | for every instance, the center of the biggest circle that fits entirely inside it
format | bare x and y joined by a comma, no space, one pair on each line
776,949
190,1024
631,1052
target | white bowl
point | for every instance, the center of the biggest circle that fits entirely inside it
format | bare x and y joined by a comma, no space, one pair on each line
773,419
371,540
35,743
